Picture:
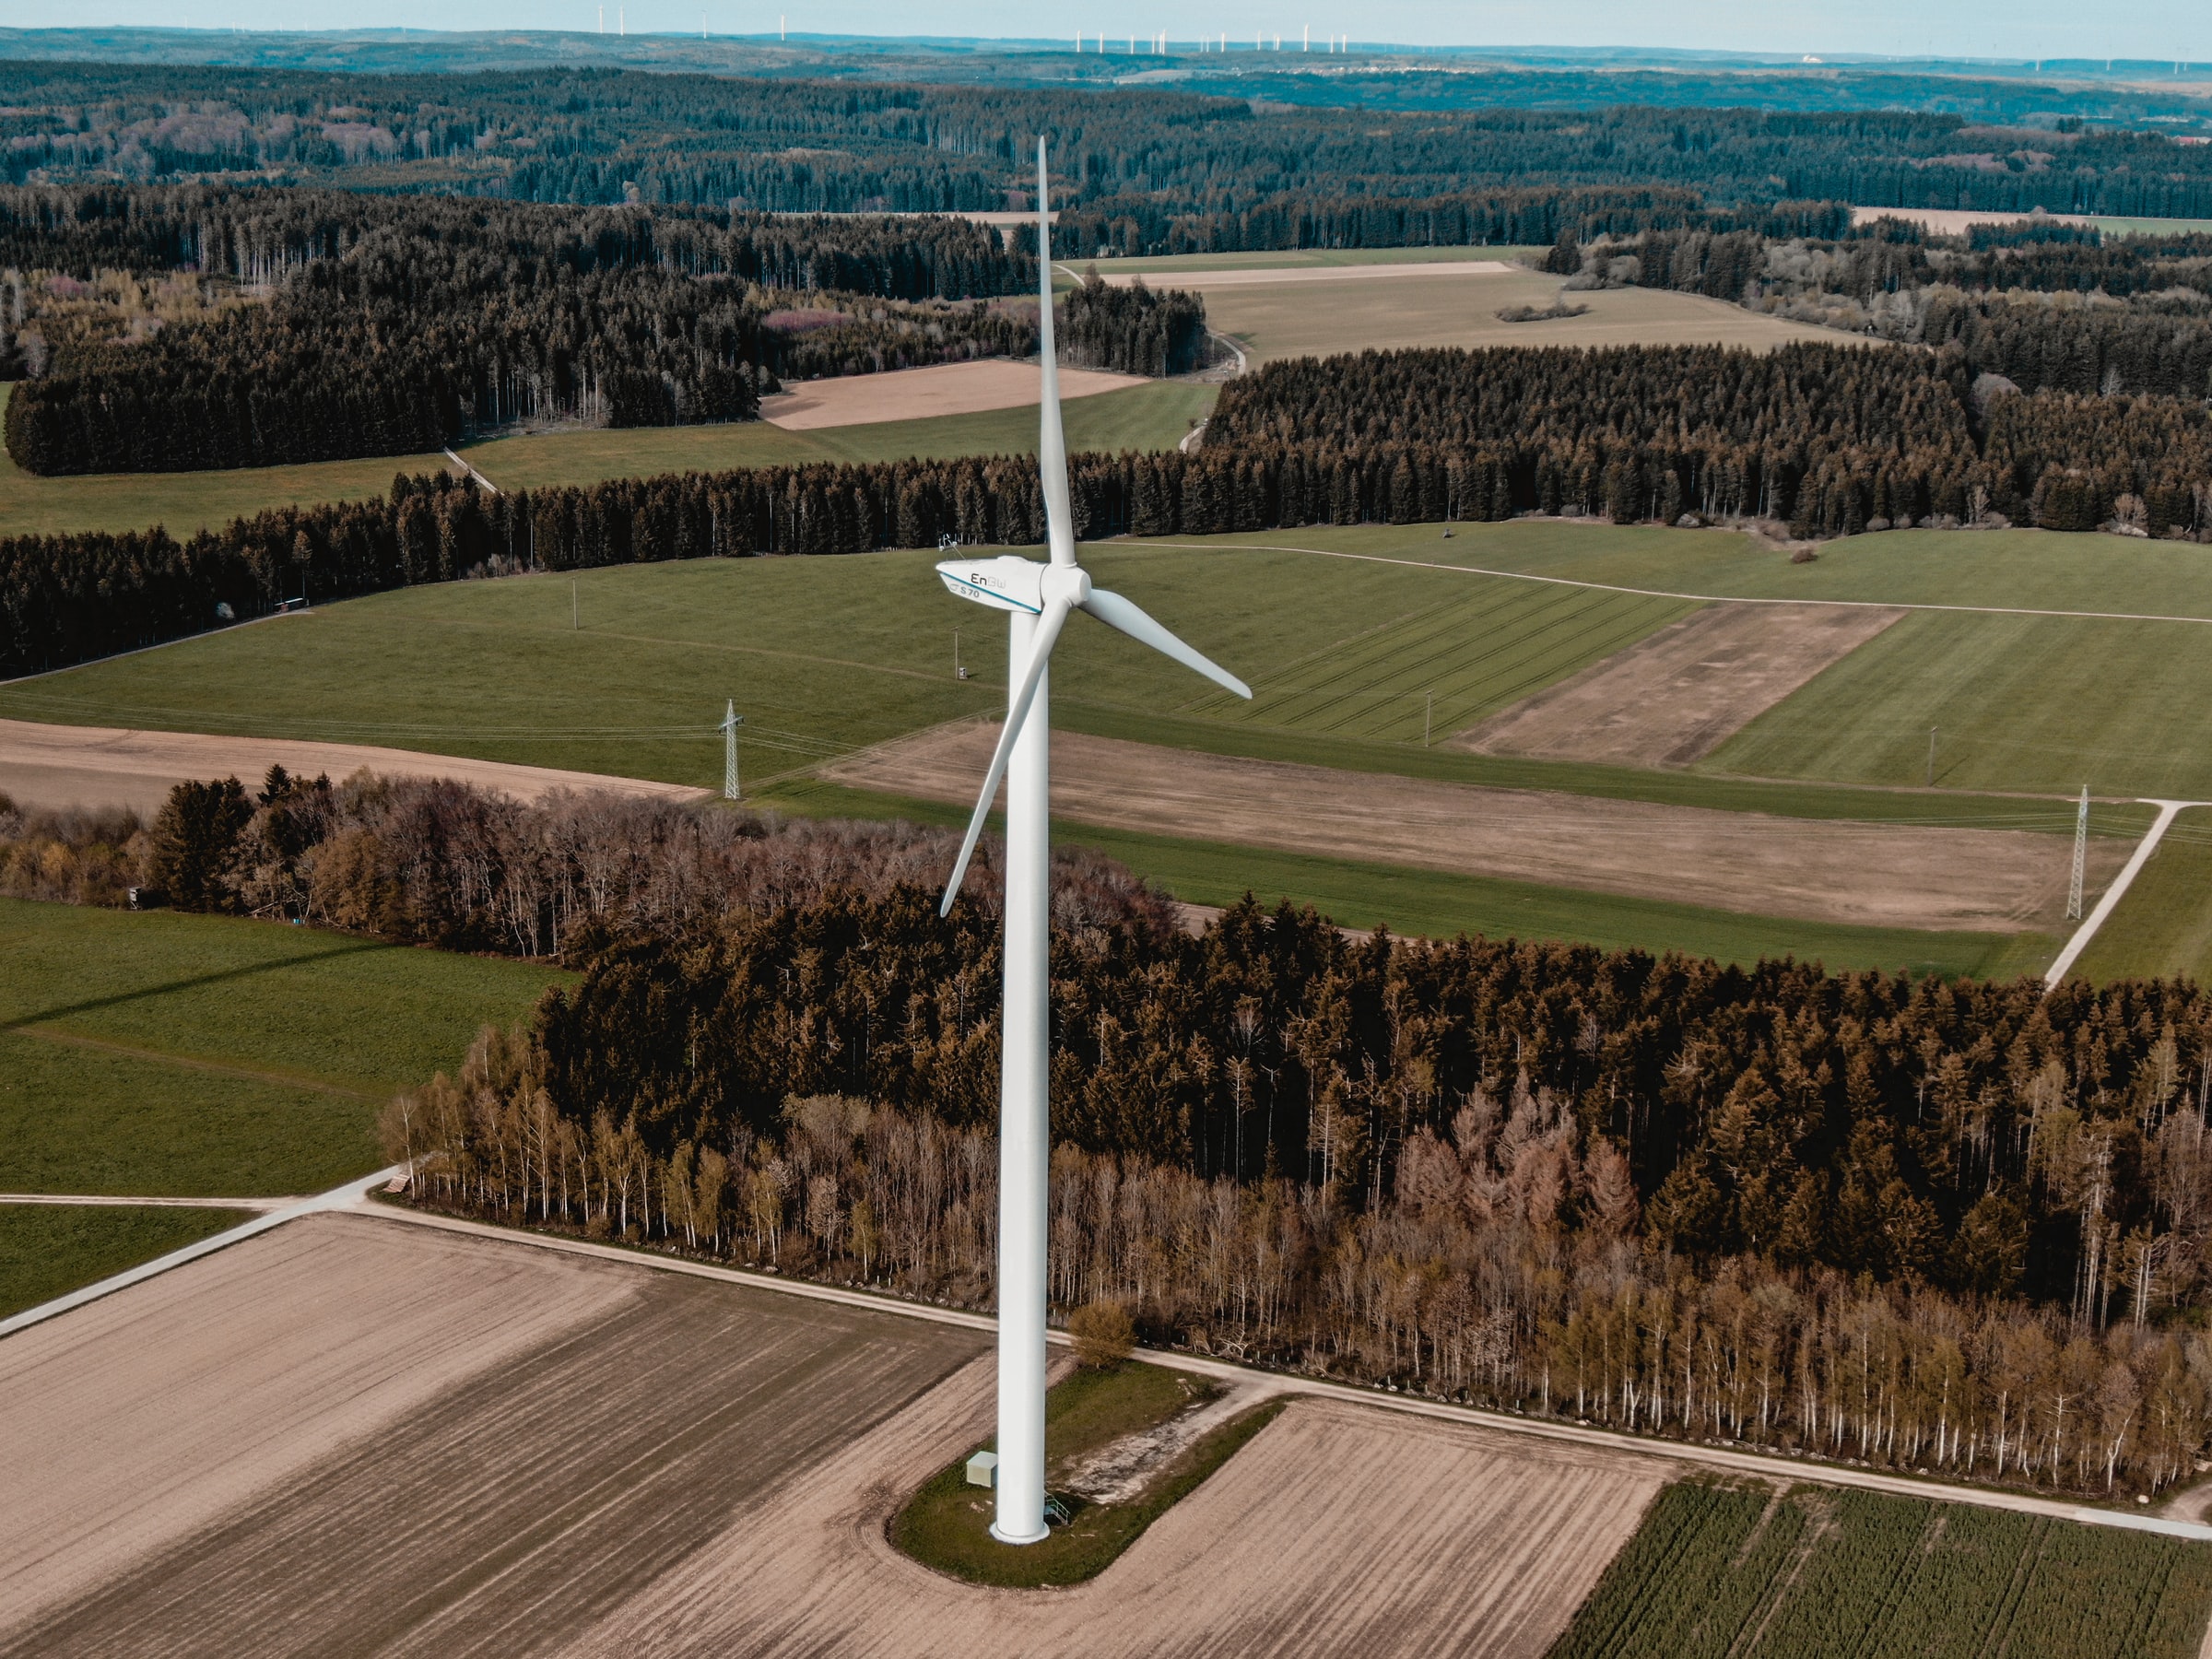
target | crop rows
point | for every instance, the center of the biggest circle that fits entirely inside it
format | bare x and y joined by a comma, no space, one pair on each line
1809,1574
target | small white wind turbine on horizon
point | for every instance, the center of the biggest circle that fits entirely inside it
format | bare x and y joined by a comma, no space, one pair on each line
1037,599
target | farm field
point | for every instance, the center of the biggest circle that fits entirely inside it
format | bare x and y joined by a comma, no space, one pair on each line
1296,318
970,388
47,1250
1835,872
2017,702
1812,1574
1440,904
1155,415
1955,221
1460,1540
168,1054
1162,270
454,1397
2163,929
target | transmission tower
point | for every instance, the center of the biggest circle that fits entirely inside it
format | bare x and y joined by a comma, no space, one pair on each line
2081,856
730,723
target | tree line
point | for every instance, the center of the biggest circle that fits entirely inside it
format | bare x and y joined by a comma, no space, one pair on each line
2082,314
843,146
1925,1225
397,327
1831,441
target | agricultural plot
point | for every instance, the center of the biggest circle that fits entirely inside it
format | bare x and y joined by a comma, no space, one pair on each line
1811,1573
921,393
2015,702
2163,929
1454,1541
1853,874
186,1055
1302,318
47,1250
1673,698
1156,414
530,1438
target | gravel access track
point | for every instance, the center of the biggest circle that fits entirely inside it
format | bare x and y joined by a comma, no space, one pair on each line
1336,1530
349,1437
1676,697
60,766
1816,869
916,393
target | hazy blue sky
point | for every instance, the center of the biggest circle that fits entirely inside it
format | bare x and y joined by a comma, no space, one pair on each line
2167,28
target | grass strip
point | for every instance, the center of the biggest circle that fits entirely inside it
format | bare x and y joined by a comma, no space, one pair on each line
49,1250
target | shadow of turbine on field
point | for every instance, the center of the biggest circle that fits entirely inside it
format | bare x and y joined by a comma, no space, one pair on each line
226,977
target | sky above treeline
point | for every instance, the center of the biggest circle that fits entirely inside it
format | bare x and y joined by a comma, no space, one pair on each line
2177,30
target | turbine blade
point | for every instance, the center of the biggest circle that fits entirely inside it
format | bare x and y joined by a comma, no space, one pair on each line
1052,443
1117,612
1017,713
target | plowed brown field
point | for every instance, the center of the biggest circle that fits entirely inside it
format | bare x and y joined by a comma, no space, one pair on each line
1674,696
1822,870
1337,1530
912,394
60,766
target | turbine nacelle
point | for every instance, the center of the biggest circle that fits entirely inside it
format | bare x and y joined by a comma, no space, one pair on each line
1010,583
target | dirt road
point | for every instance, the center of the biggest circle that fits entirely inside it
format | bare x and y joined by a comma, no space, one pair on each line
1824,870
913,394
60,766
1676,695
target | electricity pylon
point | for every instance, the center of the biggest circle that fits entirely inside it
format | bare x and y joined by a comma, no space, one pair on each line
2081,856
730,723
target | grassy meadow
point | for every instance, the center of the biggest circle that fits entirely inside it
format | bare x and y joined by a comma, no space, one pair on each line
49,1249
176,1055
2162,925
1151,416
1813,1573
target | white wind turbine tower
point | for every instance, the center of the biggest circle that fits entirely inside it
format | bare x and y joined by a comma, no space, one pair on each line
1037,599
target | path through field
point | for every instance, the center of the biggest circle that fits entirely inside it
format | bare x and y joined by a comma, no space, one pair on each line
918,393
1824,870
59,766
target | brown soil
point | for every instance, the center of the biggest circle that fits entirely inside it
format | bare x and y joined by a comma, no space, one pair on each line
1674,696
913,394
137,1422
1203,281
355,1437
104,766
1824,870
1337,1530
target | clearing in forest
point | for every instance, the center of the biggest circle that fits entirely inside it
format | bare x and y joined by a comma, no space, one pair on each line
1821,1574
1673,698
918,394
1827,870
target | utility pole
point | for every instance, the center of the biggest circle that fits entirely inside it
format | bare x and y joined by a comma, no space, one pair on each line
730,723
2081,856
1931,783
958,673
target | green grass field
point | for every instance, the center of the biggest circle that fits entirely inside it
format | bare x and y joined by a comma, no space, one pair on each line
194,1055
1151,416
49,1249
2162,926
1818,1574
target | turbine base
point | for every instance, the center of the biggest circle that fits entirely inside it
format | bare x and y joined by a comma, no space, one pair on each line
1038,1537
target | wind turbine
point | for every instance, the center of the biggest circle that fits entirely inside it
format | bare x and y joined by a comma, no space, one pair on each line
1037,599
